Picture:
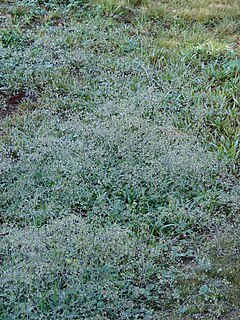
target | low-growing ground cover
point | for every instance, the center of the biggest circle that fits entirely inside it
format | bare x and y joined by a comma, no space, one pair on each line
120,159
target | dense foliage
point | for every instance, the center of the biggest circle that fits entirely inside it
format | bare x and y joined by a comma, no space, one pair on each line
120,158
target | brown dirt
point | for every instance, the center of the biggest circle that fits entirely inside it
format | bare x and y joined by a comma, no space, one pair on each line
9,103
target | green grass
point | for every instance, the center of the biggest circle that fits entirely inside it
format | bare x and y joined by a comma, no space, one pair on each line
119,191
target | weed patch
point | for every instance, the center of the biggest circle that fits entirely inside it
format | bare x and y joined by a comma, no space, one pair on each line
119,191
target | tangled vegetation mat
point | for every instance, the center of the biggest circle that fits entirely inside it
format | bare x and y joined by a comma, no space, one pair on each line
120,159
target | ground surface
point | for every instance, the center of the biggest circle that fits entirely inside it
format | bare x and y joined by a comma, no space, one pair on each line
120,159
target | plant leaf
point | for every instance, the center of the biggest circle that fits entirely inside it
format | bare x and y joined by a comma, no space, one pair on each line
203,289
